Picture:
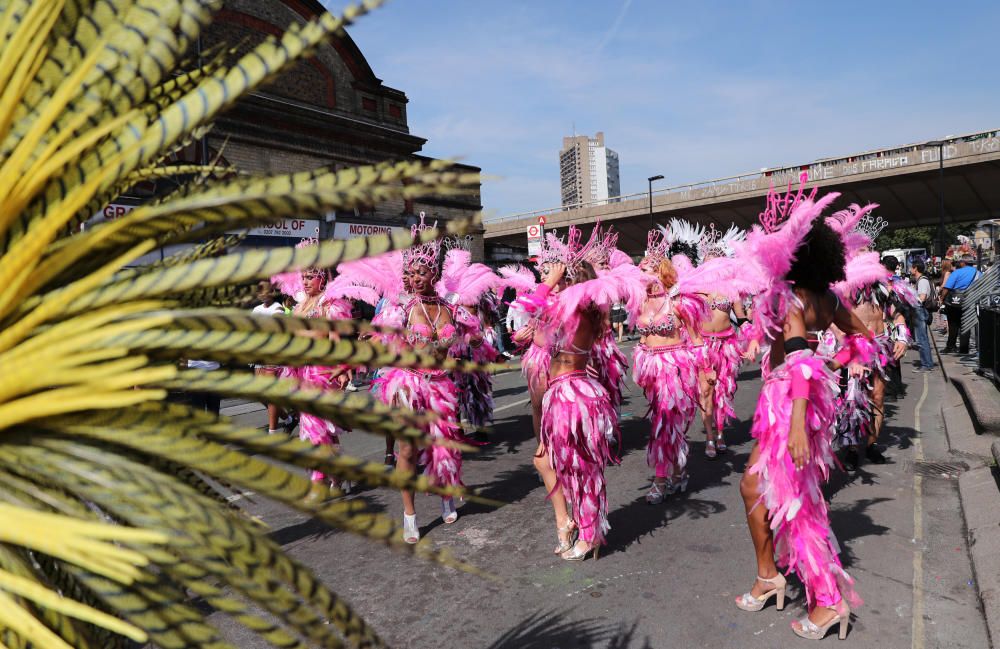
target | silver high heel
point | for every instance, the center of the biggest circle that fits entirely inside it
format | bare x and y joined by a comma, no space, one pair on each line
811,631
411,533
448,512
677,485
656,492
571,531
720,443
576,554
710,451
750,602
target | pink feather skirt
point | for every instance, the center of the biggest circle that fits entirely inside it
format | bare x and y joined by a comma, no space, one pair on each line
429,391
535,364
610,365
668,376
313,429
803,540
883,355
724,356
579,426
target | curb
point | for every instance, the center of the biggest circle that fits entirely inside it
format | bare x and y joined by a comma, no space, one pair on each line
979,495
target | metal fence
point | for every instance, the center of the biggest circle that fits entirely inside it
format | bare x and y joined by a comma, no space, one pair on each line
989,341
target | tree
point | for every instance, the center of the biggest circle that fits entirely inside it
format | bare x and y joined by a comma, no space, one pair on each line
109,510
920,237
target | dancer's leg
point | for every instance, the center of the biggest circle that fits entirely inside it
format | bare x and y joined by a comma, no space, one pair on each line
878,400
555,494
406,460
706,391
760,531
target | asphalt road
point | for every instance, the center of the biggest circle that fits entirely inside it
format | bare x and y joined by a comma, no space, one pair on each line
670,572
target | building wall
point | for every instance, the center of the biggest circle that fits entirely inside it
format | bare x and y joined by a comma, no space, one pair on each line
588,170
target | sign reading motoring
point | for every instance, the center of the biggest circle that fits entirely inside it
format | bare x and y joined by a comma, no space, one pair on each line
299,228
535,234
355,230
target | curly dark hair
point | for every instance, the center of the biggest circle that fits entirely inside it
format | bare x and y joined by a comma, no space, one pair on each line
819,259
689,250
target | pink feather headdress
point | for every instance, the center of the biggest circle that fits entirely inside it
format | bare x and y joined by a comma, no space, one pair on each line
423,254
716,243
463,282
605,244
370,279
291,283
656,249
856,227
518,278
780,207
569,252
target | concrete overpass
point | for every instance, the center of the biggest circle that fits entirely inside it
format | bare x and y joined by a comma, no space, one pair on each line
903,180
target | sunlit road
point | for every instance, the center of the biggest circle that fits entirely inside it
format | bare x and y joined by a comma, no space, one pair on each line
670,572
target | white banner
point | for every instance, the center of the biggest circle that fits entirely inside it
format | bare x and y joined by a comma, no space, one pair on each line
297,228
355,230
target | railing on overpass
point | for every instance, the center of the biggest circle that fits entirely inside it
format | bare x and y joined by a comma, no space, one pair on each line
778,175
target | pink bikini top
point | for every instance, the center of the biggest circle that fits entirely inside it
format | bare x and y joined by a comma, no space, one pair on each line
720,304
428,334
660,326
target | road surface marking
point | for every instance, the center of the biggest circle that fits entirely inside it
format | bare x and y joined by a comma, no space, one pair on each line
918,529
512,405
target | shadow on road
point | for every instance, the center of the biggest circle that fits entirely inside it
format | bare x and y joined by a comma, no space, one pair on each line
546,630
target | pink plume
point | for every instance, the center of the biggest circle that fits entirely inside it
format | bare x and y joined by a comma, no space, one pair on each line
466,281
382,275
862,270
289,283
619,258
519,278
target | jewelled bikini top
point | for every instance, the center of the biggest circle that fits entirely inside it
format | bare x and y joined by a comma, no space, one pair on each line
659,327
720,304
424,334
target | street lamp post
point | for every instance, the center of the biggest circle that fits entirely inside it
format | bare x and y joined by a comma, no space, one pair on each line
940,234
651,179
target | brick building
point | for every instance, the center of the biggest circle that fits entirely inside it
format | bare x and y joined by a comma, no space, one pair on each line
327,111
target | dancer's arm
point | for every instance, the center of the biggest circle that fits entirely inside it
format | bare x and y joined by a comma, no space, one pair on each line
798,440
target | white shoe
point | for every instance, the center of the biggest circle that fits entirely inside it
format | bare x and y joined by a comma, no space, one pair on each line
272,431
411,533
448,512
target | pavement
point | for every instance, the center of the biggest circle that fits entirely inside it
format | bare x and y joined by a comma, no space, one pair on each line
971,412
670,573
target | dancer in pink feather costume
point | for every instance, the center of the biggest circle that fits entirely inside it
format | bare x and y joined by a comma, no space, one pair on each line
723,352
578,423
311,290
792,426
666,371
429,325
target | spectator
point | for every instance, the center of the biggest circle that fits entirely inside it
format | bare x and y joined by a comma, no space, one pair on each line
947,266
921,318
958,282
269,306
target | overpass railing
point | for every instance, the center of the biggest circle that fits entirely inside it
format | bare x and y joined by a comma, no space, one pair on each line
778,175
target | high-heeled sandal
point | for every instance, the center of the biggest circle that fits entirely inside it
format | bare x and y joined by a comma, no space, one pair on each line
411,533
448,512
753,603
720,443
570,530
710,451
656,492
811,631
576,554
677,485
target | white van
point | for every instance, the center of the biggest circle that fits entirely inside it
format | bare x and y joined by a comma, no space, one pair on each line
906,256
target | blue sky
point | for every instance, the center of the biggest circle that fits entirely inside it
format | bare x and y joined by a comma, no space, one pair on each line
690,90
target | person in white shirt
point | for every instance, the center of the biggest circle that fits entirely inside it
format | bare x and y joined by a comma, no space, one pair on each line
921,317
270,306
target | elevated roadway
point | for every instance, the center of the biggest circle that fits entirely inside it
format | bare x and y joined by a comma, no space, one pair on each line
903,180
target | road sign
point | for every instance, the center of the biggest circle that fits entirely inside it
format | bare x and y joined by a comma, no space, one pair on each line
535,234
541,220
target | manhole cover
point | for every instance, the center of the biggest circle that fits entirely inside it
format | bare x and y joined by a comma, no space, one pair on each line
933,469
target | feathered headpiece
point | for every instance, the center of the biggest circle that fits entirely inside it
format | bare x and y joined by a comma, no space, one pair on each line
847,223
458,243
684,238
604,245
780,207
424,254
870,225
292,283
569,252
463,282
656,248
715,243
